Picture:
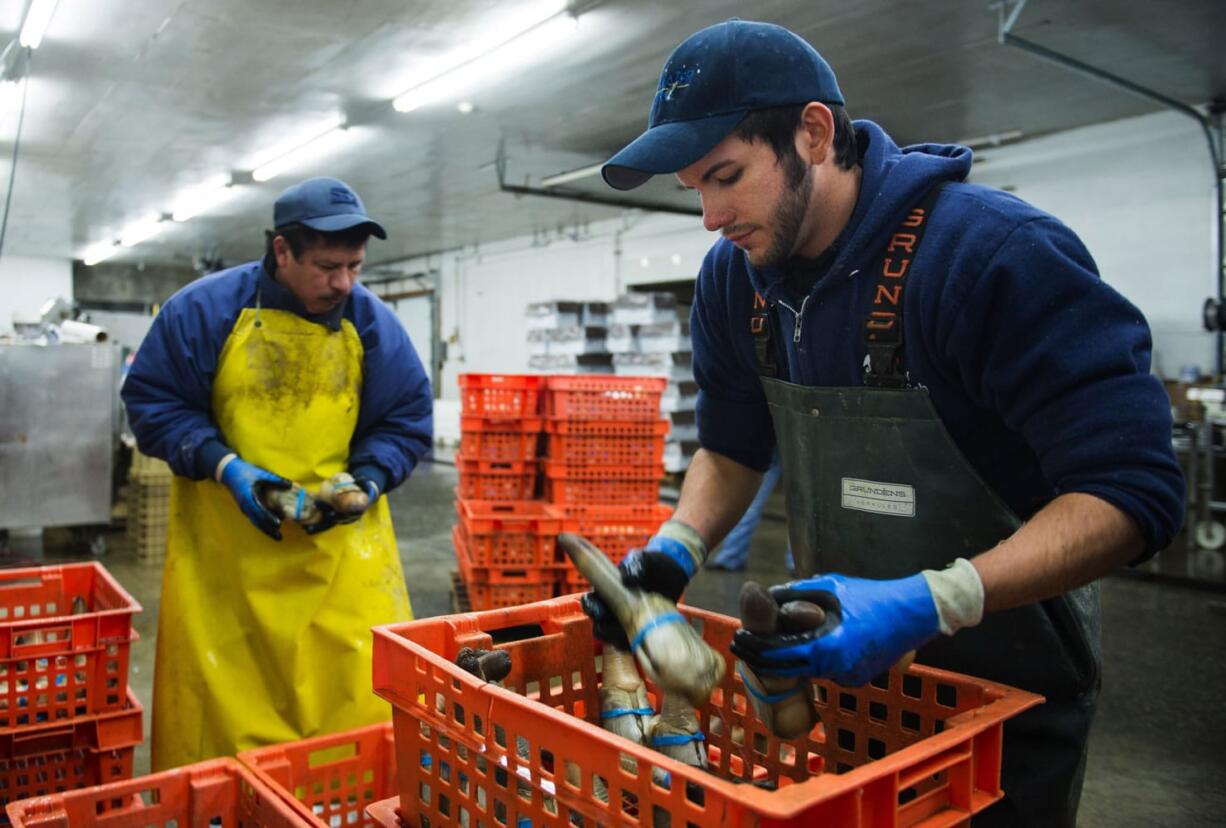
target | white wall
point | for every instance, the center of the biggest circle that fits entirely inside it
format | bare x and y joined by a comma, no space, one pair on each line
1140,194
26,283
483,293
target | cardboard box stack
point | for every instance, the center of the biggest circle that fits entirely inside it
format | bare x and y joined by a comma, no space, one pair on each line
148,508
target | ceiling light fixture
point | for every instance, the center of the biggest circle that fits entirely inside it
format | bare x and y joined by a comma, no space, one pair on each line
206,197
526,44
573,175
465,107
99,252
37,20
322,142
142,230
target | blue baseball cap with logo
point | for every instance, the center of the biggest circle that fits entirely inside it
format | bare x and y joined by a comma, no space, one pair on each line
328,205
709,84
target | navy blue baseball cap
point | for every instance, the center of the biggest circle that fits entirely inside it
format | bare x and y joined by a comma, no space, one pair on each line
328,205
709,84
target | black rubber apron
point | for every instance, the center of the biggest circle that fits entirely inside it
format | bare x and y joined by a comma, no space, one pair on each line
876,488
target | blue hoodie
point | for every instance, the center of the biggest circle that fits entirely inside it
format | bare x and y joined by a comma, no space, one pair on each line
1037,368
169,389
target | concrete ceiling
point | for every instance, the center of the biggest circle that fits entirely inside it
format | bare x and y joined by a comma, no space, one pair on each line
133,102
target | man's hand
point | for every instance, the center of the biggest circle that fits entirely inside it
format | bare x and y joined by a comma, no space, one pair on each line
665,565
245,482
869,626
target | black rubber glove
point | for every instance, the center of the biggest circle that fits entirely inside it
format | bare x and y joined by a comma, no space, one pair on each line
328,517
641,569
665,565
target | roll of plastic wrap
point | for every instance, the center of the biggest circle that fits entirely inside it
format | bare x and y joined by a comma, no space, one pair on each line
73,331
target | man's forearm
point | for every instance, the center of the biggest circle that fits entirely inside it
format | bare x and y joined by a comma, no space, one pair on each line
715,495
1075,539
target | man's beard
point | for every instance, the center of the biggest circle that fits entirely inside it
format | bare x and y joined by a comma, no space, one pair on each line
788,217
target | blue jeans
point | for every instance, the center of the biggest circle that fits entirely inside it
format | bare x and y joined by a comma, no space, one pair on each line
735,550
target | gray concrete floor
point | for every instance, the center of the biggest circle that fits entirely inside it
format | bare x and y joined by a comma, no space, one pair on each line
1158,748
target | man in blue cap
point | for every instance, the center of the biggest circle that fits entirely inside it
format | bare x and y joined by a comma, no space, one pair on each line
277,371
968,429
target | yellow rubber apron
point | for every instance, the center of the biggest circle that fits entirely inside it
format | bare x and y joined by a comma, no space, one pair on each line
262,641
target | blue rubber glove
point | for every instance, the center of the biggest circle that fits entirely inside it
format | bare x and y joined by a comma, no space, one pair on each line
245,482
870,625
665,565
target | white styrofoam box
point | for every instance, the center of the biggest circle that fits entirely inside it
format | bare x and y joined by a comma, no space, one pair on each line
686,432
622,339
674,366
570,364
665,337
644,308
680,395
538,342
683,425
678,454
595,313
544,316
577,340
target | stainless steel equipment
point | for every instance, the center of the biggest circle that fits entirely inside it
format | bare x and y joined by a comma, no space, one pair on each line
58,409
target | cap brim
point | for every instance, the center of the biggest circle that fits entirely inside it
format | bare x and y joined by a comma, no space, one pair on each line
334,224
667,148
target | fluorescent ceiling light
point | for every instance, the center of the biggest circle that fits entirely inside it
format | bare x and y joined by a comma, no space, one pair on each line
513,52
573,175
205,197
37,19
99,252
140,231
318,144
465,107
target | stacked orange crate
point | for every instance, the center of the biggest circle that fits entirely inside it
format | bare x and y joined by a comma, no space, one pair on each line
505,539
67,717
604,460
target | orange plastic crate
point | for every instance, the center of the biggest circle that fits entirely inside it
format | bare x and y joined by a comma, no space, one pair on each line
493,588
89,750
603,397
330,780
385,813
575,485
615,530
514,533
916,748
219,792
499,440
500,395
500,575
502,480
601,443
55,665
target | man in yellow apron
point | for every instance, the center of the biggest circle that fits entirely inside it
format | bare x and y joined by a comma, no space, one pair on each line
279,370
